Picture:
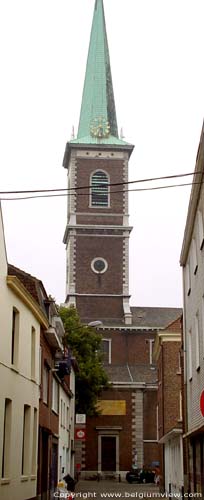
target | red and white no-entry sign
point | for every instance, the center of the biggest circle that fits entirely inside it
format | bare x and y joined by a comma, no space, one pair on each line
202,403
80,434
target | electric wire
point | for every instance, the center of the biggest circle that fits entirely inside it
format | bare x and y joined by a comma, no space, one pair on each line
78,188
155,188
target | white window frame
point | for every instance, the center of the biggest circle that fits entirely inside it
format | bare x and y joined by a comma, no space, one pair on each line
180,407
200,229
187,279
109,349
194,256
55,395
150,342
197,342
45,384
190,368
15,337
90,192
33,353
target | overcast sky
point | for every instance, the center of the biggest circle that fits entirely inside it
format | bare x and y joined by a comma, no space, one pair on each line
156,50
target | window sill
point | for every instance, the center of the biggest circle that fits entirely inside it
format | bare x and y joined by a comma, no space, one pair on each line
198,368
5,480
14,368
33,477
55,412
178,373
24,479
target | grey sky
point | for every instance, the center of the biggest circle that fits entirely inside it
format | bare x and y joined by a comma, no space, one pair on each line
156,51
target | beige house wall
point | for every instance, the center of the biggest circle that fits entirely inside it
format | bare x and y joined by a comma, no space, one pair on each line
17,386
193,290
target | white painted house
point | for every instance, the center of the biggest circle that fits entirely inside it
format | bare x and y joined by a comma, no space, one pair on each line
66,427
192,262
20,322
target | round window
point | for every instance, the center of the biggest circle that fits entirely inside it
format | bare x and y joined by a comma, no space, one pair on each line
99,265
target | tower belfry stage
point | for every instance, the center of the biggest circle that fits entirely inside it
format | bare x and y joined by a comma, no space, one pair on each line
97,283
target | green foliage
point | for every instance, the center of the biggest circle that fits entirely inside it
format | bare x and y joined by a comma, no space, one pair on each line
85,344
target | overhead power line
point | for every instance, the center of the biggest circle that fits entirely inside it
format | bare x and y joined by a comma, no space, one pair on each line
87,193
78,188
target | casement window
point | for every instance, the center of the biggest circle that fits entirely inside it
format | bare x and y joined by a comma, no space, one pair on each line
15,337
34,446
67,419
33,353
106,351
55,395
6,451
26,441
151,345
61,412
197,342
187,279
194,257
99,194
45,383
180,406
179,362
40,365
200,229
190,355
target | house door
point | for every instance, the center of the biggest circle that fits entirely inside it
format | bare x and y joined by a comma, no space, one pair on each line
108,453
45,465
54,467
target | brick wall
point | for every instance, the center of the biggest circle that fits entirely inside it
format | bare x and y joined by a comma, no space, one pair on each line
84,170
47,418
110,249
108,421
172,385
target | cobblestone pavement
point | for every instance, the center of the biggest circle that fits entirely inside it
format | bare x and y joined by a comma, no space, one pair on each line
113,489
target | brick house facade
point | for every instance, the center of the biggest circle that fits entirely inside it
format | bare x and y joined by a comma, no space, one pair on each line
167,355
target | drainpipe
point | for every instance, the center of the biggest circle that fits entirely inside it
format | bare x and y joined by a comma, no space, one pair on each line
162,352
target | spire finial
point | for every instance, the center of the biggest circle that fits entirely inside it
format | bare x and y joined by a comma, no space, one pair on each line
98,97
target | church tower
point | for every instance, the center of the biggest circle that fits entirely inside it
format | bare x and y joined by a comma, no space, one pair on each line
97,231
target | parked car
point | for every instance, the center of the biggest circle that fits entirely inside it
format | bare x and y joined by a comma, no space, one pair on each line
145,475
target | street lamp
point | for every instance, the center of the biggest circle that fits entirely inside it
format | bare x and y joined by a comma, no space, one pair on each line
95,323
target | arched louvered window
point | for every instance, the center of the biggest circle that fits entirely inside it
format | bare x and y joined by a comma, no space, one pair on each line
99,189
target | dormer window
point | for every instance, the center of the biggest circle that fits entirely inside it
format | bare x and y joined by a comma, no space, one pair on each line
99,189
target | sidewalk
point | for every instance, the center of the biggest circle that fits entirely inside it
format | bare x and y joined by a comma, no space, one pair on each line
114,489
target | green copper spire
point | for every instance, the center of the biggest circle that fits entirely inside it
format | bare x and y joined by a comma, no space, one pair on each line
98,122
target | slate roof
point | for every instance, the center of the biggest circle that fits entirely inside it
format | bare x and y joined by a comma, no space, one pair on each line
151,318
129,374
155,317
33,285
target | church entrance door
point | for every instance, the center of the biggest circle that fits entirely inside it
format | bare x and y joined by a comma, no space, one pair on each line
108,453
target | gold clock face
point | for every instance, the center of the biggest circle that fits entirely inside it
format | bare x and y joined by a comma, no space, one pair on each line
100,127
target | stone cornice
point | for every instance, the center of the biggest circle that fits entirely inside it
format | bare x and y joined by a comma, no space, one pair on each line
162,337
96,228
18,288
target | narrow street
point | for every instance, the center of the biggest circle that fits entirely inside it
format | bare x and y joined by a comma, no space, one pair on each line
114,489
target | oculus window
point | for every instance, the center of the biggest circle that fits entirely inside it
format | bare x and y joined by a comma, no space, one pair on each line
99,265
